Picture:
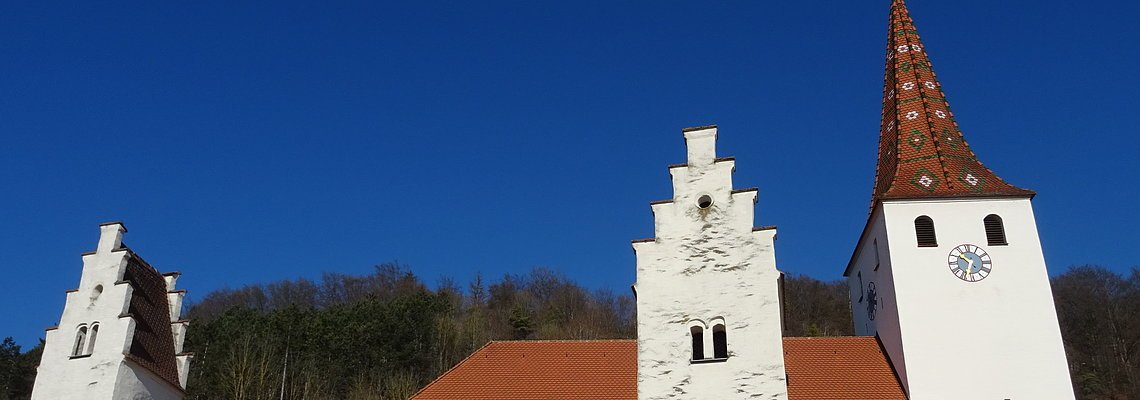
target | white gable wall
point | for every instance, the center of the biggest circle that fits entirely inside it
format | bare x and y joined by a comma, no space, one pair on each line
704,266
62,376
134,382
105,373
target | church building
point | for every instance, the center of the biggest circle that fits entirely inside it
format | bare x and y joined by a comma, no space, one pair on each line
120,336
949,273
948,284
949,288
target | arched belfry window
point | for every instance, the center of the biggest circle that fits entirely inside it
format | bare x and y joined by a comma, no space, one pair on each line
698,336
995,230
924,232
91,338
80,341
720,342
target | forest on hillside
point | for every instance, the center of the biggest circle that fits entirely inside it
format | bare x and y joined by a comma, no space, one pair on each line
386,334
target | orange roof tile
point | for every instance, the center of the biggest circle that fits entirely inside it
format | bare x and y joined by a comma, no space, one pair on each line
839,368
922,153
604,369
818,368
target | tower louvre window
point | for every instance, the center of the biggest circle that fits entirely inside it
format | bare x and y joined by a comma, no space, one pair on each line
924,232
720,342
995,230
698,342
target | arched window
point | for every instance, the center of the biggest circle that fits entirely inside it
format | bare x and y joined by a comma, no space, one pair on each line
698,335
995,230
720,342
80,341
924,232
91,338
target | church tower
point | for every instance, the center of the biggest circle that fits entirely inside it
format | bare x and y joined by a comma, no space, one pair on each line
120,336
949,271
708,303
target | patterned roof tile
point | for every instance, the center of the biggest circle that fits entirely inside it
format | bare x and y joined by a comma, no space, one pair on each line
922,153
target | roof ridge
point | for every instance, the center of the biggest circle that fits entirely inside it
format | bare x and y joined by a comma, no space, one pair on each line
826,337
561,340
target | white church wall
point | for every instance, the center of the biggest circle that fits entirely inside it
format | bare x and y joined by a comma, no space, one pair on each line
996,338
102,299
98,299
704,266
135,382
871,268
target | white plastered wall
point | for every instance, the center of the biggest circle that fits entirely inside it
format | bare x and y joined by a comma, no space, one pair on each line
704,266
99,374
62,376
872,269
993,339
135,382
178,326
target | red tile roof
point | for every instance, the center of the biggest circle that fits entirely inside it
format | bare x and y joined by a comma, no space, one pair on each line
839,368
152,343
818,368
922,153
604,369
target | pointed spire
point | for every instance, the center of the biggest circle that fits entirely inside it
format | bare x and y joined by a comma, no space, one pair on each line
922,153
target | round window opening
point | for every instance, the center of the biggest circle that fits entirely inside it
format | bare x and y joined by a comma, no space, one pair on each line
98,291
705,201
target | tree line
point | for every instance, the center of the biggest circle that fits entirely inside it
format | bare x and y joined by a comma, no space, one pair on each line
379,336
386,334
18,369
1099,312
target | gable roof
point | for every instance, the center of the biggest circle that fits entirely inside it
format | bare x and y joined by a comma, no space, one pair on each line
549,370
817,368
848,367
152,343
922,153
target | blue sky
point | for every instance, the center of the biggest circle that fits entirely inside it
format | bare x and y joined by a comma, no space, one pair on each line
250,142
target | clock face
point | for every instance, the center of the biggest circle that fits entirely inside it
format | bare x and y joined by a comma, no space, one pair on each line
969,263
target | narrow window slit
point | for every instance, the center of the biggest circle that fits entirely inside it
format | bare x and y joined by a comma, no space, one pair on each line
698,342
720,342
80,341
91,338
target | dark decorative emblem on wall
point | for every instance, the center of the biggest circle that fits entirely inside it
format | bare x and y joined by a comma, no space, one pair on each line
872,301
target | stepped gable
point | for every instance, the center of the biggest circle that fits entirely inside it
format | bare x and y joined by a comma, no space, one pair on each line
152,345
922,153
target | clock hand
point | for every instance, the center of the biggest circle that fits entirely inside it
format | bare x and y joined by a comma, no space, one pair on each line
969,264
